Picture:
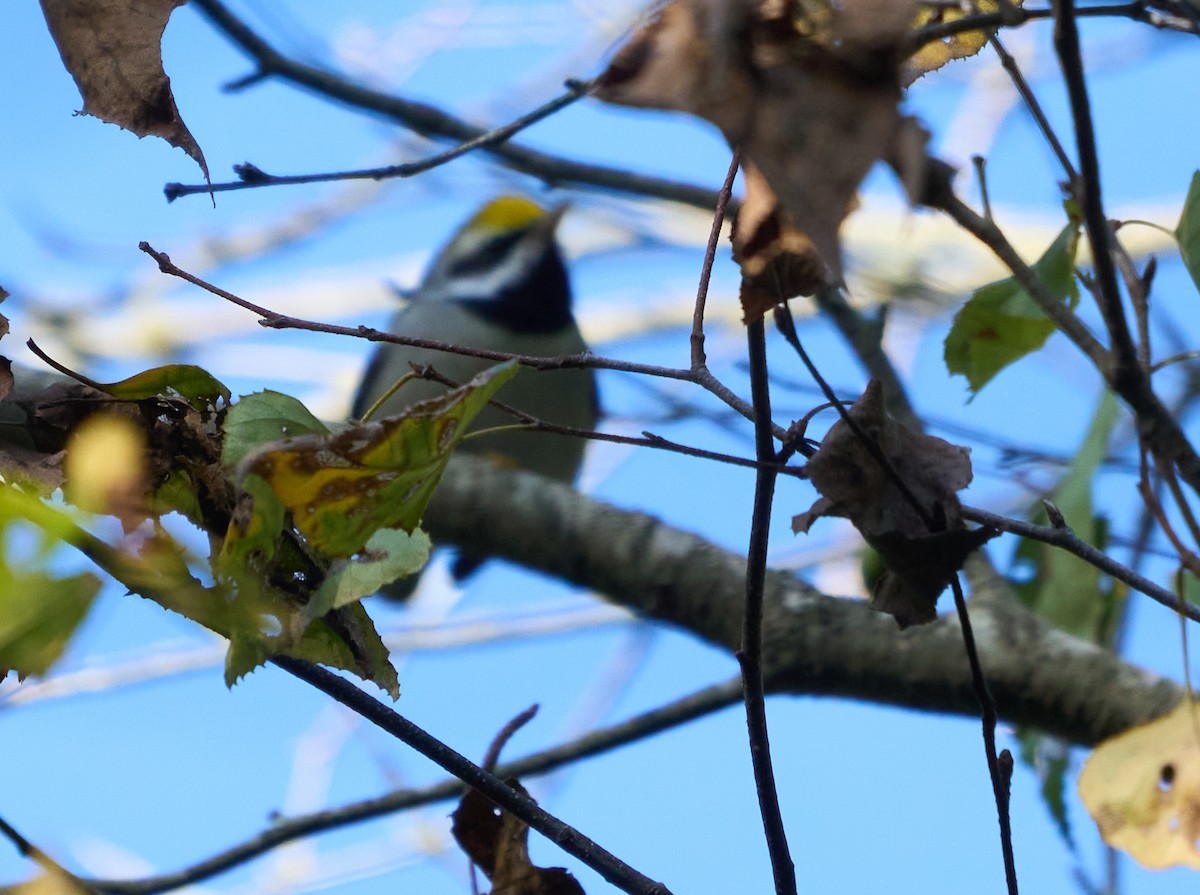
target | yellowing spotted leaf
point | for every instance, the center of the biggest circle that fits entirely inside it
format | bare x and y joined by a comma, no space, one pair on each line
1143,789
933,56
341,488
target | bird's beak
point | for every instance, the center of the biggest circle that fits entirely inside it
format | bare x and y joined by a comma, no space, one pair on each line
547,225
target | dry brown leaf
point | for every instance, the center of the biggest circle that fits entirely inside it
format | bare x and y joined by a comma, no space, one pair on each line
812,104
854,484
498,843
34,471
1143,789
112,48
777,260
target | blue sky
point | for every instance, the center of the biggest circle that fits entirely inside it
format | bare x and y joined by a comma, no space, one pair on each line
154,776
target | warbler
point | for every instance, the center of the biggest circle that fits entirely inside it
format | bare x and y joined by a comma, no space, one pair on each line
500,284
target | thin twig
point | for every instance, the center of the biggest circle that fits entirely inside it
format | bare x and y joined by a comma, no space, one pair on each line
1087,189
865,336
1066,539
750,654
1015,15
531,423
999,770
28,850
522,806
492,756
285,830
274,320
253,177
432,122
710,253
1032,104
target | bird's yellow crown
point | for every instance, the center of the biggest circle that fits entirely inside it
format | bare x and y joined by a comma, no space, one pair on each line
506,214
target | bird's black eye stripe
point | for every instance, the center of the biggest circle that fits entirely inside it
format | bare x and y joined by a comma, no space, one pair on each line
486,257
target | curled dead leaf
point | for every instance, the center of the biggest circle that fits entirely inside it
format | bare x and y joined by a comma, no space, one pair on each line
498,843
911,514
777,259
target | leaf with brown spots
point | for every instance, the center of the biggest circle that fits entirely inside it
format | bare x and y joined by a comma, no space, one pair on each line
113,50
341,488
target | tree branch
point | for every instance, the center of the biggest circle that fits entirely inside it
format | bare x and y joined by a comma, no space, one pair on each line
813,644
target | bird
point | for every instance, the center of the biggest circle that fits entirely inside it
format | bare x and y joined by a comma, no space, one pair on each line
500,283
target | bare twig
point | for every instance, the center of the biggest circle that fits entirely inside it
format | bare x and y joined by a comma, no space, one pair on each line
274,320
1066,539
253,177
648,439
1013,15
710,254
750,654
28,850
1032,104
432,122
1087,189
999,770
504,735
681,711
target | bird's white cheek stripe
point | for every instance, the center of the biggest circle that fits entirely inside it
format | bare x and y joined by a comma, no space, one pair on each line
488,282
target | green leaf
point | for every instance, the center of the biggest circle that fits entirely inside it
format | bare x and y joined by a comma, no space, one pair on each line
178,494
1065,590
262,418
1188,231
342,488
39,613
1001,323
194,384
1050,759
38,616
389,554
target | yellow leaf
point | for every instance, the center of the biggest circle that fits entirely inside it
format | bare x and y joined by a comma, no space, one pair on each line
934,55
1143,790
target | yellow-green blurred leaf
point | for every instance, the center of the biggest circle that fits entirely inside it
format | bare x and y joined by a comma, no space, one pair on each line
1001,323
38,616
1064,589
342,488
105,467
1143,790
1050,760
177,495
194,384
